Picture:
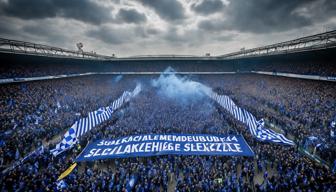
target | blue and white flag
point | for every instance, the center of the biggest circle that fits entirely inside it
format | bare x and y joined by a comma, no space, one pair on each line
68,141
61,185
93,119
257,128
38,151
34,153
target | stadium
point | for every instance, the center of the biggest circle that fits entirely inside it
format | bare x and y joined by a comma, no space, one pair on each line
258,119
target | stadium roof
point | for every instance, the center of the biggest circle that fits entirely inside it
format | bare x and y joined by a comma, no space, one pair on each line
308,43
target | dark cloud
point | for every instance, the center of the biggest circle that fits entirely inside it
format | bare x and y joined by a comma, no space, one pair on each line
207,7
131,16
8,27
82,10
322,9
186,38
153,31
228,37
261,16
171,10
29,9
109,35
60,22
140,32
120,35
211,25
173,37
45,33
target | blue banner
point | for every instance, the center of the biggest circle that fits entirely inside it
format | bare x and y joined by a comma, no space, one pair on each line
166,144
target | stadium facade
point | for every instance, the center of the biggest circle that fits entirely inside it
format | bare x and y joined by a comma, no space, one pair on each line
317,51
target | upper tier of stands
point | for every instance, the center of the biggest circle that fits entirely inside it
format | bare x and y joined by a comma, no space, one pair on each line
320,62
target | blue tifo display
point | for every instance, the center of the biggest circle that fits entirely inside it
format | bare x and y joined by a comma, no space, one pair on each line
166,144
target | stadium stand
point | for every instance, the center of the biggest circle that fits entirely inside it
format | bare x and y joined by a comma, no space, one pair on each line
34,112
319,62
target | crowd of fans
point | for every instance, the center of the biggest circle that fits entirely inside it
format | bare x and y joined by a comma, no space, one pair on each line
322,68
37,111
33,112
49,67
302,108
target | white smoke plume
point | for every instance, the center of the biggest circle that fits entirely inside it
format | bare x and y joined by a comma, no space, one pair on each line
137,90
181,88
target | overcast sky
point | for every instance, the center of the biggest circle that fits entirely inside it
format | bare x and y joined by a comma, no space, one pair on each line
140,27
